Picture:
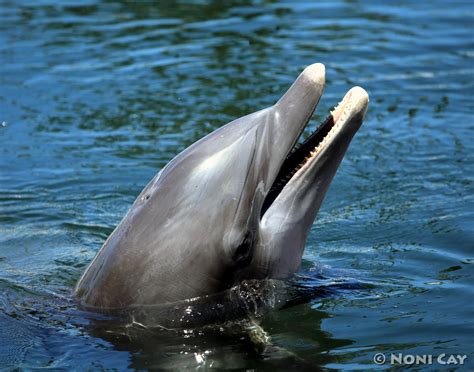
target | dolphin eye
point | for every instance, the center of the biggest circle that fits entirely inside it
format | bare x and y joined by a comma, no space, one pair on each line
243,253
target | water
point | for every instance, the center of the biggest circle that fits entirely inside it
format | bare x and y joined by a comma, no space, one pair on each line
97,96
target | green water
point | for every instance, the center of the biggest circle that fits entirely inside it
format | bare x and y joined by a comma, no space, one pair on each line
97,96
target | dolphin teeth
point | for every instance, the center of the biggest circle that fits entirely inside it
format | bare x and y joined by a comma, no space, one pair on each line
341,119
304,154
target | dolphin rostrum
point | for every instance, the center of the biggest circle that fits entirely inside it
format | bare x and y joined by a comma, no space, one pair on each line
236,205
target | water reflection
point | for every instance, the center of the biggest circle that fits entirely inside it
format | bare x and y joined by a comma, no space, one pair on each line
229,346
99,95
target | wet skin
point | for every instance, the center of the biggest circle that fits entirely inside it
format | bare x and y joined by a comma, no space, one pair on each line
237,204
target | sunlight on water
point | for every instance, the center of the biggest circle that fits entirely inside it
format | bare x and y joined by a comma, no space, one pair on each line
97,96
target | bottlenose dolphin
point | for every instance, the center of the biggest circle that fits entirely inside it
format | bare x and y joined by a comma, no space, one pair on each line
236,205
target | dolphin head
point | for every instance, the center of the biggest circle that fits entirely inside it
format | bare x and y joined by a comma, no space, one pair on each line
237,204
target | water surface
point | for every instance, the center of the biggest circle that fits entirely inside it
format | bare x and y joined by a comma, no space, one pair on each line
97,96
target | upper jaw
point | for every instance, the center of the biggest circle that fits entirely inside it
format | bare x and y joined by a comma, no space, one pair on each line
346,118
288,119
323,155
288,217
294,109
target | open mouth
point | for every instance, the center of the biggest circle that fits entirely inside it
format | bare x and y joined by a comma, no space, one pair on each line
303,153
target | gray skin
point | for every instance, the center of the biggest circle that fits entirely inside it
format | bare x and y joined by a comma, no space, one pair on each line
196,229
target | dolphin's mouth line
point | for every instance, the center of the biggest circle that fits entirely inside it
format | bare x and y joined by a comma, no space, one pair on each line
303,152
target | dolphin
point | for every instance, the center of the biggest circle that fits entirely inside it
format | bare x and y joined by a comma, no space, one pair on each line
236,205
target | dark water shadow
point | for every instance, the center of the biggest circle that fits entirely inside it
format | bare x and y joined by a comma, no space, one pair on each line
229,330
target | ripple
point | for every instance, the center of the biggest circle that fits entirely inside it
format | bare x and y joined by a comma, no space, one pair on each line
98,96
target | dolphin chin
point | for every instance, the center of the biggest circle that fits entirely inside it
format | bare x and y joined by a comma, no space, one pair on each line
236,205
